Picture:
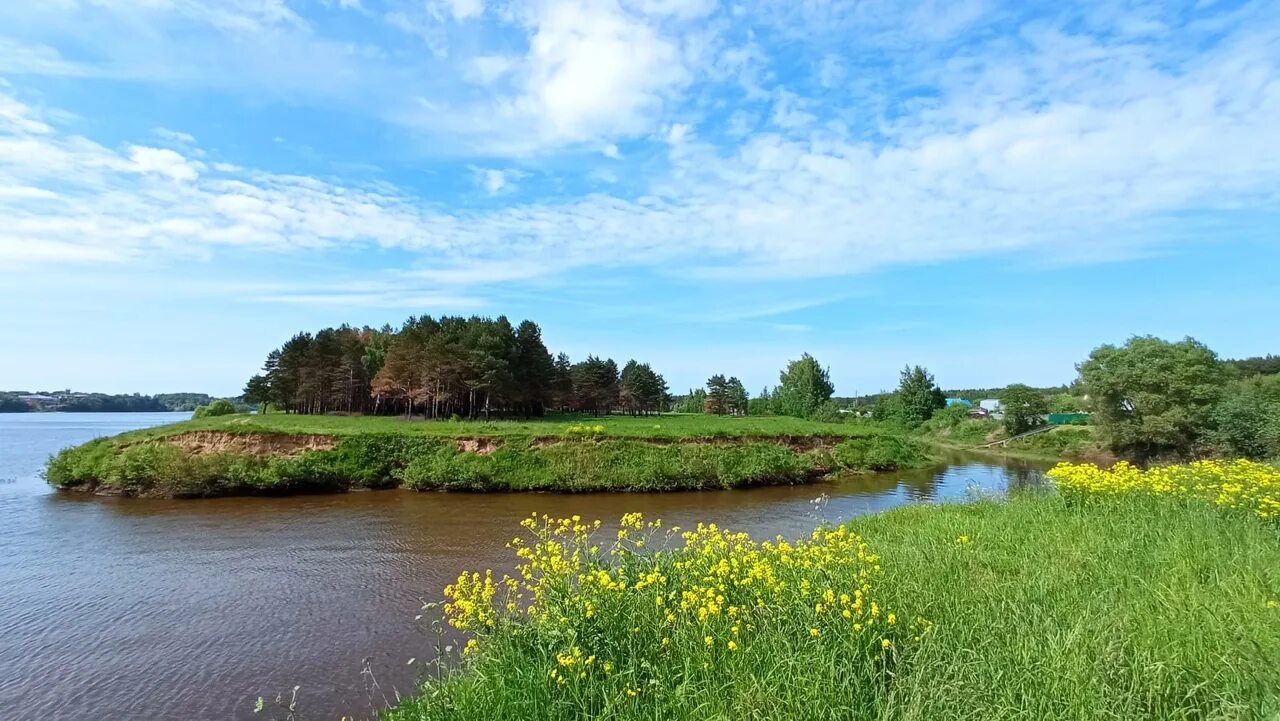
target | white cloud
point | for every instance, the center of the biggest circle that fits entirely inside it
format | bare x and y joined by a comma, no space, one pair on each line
1061,144
25,192
593,71
164,161
18,58
17,253
175,136
611,151
18,116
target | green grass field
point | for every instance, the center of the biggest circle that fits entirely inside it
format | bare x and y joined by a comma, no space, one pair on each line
661,426
1060,442
1040,609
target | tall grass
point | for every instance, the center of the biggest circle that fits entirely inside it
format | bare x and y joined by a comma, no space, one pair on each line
1041,608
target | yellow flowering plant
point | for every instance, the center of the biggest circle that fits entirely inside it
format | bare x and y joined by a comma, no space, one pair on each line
649,608
1237,484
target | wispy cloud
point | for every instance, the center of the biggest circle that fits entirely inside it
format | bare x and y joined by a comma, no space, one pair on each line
1071,136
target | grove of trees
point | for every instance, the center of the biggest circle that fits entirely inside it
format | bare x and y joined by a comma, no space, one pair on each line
726,396
438,368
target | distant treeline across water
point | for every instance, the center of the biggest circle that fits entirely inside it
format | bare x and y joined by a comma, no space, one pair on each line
76,402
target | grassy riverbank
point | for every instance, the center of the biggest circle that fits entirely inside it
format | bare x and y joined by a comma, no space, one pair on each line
1115,600
1069,442
286,453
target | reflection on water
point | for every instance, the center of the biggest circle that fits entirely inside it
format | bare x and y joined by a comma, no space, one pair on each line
127,608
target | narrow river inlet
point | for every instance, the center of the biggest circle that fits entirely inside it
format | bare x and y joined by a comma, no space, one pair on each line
148,609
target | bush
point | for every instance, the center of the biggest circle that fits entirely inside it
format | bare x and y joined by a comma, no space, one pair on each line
828,412
974,431
1063,441
220,407
80,466
880,452
1247,420
140,466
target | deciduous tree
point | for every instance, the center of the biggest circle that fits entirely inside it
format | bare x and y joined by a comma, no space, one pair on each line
1023,407
802,388
1152,397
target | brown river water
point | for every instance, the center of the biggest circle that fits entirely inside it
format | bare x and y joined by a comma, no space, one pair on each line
116,608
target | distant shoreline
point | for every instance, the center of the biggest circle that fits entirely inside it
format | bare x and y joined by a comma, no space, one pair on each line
90,412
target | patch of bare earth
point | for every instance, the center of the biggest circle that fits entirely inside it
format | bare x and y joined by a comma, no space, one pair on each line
480,446
252,444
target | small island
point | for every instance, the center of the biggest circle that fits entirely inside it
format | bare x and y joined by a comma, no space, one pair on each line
279,453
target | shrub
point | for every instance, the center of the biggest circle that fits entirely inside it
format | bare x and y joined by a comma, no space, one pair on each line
1062,441
973,431
220,407
143,466
948,416
80,466
1246,422
879,452
828,412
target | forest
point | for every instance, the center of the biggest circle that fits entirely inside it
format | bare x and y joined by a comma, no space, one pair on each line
444,367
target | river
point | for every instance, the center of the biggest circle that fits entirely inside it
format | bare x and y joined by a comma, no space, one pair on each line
144,609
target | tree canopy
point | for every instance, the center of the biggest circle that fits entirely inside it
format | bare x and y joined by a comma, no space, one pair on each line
1246,422
1024,408
802,388
447,366
918,395
1152,397
1257,365
641,390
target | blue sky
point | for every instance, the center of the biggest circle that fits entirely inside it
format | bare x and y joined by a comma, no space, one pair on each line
989,189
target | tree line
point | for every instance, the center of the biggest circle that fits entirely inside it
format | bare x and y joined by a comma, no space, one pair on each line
443,367
72,402
804,390
1149,399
